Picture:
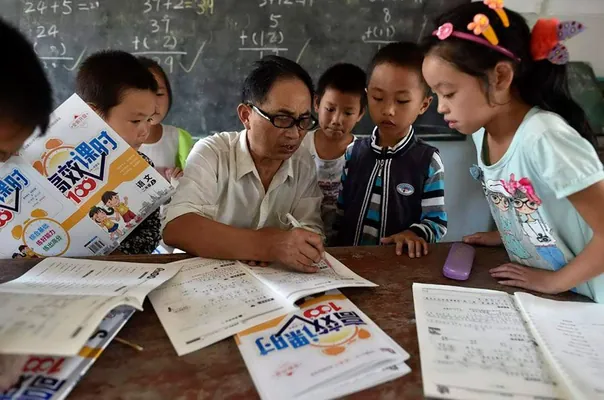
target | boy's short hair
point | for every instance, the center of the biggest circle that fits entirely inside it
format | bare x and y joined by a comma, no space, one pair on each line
346,78
105,76
402,54
25,92
266,72
154,66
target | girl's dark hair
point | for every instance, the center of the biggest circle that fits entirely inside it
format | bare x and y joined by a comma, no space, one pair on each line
155,67
539,83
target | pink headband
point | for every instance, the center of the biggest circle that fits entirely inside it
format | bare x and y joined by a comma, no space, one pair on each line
446,30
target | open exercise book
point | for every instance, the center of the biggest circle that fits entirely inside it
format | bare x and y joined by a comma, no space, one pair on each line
482,344
55,307
326,349
54,377
77,191
210,300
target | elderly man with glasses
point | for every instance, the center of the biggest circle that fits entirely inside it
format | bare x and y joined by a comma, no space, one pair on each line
238,187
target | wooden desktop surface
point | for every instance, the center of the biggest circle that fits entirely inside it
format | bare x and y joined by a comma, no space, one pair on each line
218,371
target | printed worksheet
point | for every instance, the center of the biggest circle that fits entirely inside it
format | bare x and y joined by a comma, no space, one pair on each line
293,286
573,334
54,307
210,300
474,344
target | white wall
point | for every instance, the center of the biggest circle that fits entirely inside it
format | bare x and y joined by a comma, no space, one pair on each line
467,208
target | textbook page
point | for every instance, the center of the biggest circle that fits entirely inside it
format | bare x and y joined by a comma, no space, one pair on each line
326,349
55,306
295,285
571,335
210,300
474,345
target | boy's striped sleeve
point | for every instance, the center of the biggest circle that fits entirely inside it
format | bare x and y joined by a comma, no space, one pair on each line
433,225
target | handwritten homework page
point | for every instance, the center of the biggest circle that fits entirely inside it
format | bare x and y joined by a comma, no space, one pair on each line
571,335
475,345
55,307
210,300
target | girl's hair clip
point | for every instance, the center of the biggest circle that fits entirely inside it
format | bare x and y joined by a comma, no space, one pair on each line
546,37
447,30
497,5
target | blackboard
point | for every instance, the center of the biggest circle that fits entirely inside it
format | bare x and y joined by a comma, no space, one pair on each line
208,46
585,89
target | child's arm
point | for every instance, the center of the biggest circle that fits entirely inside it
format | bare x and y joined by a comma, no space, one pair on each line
571,168
433,224
587,265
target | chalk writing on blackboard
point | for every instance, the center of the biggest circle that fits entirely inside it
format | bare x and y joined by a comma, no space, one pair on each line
160,41
48,42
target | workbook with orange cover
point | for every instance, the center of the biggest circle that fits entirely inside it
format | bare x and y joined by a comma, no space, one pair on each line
78,190
327,349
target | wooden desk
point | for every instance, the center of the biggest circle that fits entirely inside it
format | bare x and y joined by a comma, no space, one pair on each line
218,371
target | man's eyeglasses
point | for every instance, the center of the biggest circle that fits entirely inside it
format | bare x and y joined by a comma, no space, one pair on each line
282,121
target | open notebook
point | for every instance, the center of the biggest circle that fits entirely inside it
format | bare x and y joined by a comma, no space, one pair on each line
482,344
210,300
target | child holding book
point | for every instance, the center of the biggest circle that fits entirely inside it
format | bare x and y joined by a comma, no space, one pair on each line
167,146
393,183
340,103
25,105
123,92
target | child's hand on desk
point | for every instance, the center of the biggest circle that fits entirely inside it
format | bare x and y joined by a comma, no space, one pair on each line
416,245
536,279
484,239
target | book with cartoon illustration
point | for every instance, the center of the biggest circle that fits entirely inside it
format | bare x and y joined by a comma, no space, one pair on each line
54,377
327,349
78,190
210,300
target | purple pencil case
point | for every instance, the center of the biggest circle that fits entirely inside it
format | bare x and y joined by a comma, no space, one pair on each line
459,262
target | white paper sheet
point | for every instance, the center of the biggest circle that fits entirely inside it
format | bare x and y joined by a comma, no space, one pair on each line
475,345
55,306
210,300
572,337
293,286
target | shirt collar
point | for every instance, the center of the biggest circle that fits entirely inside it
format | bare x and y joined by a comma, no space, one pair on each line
245,162
402,144
243,158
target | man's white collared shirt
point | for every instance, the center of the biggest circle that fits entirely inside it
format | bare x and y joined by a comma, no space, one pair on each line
220,182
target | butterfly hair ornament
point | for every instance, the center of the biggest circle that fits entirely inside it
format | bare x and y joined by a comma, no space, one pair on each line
481,30
546,38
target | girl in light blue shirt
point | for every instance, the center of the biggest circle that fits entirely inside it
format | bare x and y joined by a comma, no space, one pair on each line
507,86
